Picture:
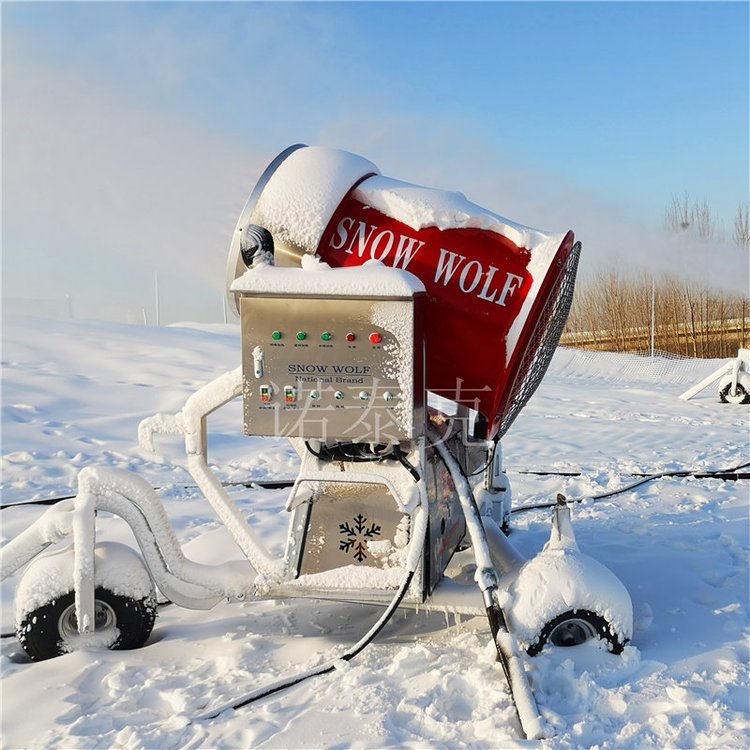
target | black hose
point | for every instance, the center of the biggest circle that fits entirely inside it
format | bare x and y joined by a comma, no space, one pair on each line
721,473
362,454
330,666
718,473
284,483
46,501
262,483
401,458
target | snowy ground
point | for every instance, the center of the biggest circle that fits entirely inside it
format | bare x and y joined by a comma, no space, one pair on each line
73,394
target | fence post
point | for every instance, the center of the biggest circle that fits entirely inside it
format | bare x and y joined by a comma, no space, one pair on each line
653,314
156,290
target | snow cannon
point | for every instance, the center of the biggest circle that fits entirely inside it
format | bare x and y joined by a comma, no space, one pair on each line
733,378
392,333
497,293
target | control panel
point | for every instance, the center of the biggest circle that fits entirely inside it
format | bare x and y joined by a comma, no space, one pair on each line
323,368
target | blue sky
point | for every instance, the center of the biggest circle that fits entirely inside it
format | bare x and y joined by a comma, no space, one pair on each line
133,132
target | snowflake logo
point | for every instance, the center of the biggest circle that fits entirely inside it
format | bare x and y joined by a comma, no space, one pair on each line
356,535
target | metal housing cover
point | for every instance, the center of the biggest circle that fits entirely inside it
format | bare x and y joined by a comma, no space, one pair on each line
345,369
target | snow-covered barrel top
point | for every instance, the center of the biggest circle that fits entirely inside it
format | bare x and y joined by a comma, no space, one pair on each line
498,292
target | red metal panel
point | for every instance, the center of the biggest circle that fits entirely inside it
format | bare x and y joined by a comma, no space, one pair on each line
476,282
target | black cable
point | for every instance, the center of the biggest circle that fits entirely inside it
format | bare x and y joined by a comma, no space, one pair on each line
364,454
481,470
324,668
401,458
262,483
46,501
719,473
338,452
633,485
284,483
331,665
358,647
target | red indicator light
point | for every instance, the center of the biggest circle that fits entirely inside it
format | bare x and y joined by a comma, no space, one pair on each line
375,338
350,337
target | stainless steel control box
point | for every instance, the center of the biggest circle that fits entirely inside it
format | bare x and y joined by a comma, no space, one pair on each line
345,369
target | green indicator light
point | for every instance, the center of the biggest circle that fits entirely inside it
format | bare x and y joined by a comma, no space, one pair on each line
276,335
326,336
301,336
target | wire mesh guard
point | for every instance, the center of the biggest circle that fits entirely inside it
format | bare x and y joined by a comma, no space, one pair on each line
543,340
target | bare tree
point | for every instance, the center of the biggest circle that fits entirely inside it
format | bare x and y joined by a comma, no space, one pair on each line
742,226
703,221
612,311
677,215
684,214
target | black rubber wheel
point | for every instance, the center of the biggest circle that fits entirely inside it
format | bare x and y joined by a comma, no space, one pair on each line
741,395
575,627
47,631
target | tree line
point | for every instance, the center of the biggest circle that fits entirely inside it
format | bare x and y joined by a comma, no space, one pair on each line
614,312
638,312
